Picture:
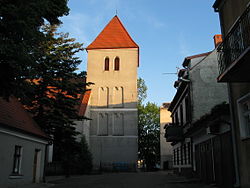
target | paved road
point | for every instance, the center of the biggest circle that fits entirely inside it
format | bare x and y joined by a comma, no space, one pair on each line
126,180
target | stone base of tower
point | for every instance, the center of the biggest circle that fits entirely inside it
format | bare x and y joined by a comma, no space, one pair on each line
114,153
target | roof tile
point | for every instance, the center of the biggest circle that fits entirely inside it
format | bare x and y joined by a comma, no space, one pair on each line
114,35
13,115
84,103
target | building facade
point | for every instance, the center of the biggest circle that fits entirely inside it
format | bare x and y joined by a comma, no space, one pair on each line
113,59
22,146
201,122
234,58
165,147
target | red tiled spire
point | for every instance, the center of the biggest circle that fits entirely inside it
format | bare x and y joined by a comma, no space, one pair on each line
114,35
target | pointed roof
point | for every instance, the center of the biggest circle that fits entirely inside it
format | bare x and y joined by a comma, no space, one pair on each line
114,35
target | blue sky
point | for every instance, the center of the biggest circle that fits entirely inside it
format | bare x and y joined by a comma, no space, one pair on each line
166,31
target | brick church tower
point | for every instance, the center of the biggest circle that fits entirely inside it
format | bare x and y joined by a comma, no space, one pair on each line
113,59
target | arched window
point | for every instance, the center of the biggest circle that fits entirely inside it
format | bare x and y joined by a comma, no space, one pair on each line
117,63
106,64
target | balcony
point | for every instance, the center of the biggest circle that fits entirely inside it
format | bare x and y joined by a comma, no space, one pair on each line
173,133
234,52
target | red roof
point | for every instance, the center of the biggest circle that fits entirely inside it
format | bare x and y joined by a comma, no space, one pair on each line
13,115
84,103
114,35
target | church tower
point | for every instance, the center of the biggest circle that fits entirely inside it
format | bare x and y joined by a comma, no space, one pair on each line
113,58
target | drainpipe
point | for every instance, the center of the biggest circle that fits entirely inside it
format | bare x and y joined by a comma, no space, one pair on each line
235,149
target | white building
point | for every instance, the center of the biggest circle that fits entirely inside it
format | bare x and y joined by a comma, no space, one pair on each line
22,146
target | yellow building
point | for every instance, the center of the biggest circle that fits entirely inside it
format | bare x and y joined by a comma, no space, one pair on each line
113,58
165,147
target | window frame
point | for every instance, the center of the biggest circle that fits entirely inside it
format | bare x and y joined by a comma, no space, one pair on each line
106,64
116,64
17,160
242,114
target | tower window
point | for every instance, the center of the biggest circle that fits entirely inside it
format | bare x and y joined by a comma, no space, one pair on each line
106,64
117,63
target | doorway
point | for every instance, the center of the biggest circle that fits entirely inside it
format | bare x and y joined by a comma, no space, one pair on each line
37,166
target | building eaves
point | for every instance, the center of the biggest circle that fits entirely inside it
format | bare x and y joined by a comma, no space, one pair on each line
177,96
217,4
188,59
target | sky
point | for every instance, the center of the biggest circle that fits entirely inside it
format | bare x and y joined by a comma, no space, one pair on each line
166,31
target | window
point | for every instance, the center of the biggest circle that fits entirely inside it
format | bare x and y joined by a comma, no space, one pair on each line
118,124
188,153
176,118
117,63
178,156
244,116
17,160
188,109
181,115
174,156
106,64
118,97
181,154
103,124
103,98
185,153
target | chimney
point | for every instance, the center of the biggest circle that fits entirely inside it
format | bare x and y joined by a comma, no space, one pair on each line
217,40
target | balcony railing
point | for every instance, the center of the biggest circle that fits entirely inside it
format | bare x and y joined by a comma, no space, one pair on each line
173,133
235,43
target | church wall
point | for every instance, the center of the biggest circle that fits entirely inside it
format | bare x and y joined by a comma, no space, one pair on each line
113,108
125,79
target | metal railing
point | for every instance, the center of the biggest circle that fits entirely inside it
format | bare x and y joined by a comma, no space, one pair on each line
236,42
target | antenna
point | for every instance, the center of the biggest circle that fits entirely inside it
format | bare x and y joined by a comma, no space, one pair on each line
116,12
169,73
177,70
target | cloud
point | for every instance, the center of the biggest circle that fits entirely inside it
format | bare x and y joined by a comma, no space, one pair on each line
149,18
155,22
110,5
77,25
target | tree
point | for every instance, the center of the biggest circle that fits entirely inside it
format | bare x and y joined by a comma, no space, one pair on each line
20,38
84,159
141,90
148,131
55,93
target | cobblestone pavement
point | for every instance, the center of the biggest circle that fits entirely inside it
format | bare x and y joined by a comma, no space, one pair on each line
123,180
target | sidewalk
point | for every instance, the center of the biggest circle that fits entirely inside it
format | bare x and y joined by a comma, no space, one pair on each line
49,183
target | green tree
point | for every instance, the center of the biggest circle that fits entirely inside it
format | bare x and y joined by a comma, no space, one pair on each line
141,90
55,95
148,130
20,38
84,157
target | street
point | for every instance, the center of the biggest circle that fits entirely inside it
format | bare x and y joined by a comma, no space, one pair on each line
126,180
